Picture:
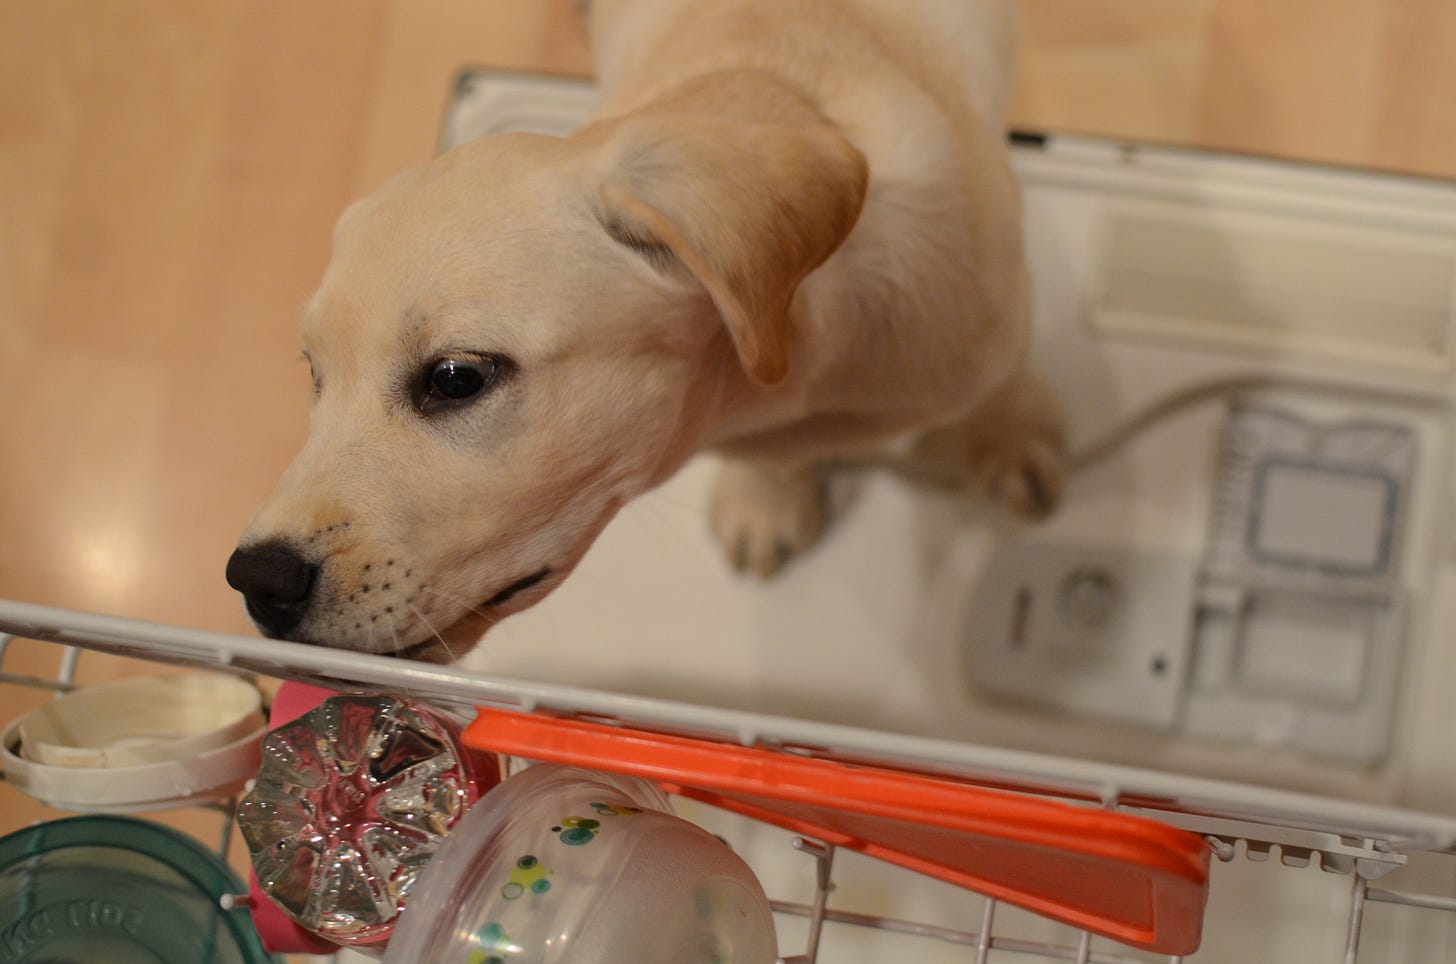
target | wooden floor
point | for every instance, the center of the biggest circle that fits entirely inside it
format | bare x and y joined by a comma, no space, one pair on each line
170,171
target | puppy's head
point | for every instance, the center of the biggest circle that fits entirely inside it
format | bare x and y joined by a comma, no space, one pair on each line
511,342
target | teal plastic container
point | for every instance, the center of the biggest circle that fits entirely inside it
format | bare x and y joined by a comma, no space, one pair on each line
119,890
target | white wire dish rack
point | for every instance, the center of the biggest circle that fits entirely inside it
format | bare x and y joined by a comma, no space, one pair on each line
1326,859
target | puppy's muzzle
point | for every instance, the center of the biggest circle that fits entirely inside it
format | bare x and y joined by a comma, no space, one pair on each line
276,582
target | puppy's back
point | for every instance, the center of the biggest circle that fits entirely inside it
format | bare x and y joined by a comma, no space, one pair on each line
961,52
970,45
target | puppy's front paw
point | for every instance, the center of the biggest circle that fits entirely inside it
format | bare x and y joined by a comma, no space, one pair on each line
1018,446
1027,476
1013,448
763,515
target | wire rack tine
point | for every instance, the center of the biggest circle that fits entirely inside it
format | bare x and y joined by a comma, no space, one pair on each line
1358,888
70,657
1423,901
229,821
24,679
1084,947
823,854
983,943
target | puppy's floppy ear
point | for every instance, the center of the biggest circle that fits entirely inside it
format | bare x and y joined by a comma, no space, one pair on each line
749,209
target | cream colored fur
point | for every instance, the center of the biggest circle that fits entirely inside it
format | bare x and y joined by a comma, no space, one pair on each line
791,235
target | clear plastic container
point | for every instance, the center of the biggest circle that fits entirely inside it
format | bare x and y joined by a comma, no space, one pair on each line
561,864
352,800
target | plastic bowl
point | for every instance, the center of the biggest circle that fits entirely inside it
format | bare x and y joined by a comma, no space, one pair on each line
560,864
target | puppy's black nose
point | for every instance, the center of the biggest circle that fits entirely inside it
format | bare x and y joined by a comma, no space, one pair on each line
275,581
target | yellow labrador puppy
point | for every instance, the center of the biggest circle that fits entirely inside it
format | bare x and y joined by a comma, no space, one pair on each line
791,236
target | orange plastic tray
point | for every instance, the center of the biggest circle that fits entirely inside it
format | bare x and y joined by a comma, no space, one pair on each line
1131,879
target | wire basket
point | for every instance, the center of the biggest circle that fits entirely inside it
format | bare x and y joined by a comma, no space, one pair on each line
1300,871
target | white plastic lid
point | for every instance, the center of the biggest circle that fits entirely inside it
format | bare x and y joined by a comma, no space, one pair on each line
138,744
141,720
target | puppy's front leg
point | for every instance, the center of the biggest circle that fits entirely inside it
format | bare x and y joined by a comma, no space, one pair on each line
764,513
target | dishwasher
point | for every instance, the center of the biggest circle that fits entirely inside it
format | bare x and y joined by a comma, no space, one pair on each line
1200,714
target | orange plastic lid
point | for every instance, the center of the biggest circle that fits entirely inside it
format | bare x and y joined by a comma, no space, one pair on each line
1124,877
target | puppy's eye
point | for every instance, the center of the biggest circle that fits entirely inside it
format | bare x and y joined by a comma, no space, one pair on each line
456,380
450,382
314,377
